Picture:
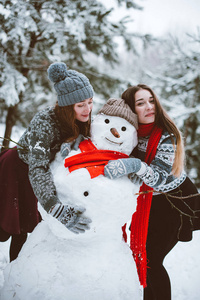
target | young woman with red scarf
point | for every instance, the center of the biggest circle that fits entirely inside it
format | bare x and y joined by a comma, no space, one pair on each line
163,216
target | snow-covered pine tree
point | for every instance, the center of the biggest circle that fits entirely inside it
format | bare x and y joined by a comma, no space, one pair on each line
35,33
178,81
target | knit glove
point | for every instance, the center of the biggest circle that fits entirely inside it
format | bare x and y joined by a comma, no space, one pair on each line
71,216
120,167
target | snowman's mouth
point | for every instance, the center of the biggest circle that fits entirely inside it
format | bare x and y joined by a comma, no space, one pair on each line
112,142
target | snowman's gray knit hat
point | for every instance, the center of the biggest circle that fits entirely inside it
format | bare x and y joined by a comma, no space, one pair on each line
71,86
118,108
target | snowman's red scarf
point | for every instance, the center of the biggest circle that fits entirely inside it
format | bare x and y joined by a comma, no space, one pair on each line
140,219
92,159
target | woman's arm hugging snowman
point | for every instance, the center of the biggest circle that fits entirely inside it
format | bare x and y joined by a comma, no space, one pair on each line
72,116
29,166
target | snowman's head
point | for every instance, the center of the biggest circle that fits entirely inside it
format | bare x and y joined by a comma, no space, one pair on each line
115,127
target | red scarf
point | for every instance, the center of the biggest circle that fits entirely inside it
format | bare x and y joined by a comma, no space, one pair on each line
140,219
92,159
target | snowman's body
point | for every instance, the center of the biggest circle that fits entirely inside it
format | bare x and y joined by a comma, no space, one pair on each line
58,264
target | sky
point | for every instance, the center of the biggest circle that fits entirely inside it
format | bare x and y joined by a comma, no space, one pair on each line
160,17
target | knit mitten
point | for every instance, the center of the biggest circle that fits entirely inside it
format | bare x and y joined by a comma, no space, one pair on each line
71,216
65,149
120,167
78,140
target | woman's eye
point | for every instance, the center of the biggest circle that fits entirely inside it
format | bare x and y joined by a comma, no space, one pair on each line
123,128
86,193
139,104
107,121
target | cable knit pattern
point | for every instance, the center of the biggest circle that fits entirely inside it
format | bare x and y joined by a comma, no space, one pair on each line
158,174
39,144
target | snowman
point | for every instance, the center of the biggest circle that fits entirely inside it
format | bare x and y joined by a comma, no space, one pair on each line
57,264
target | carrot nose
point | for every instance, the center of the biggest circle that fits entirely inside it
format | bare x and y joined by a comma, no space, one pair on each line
115,132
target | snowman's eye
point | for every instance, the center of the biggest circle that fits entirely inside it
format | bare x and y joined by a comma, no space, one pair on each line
107,121
123,128
86,193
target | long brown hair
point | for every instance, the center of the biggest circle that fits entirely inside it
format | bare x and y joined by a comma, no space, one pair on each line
70,127
163,121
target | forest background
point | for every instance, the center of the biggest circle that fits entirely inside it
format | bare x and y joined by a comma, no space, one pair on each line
116,43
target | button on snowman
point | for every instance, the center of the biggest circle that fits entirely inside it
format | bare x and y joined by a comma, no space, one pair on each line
57,264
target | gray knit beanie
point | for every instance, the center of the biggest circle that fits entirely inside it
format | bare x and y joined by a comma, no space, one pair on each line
118,108
71,86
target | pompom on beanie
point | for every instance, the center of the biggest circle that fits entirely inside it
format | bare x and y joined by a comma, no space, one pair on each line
118,108
71,86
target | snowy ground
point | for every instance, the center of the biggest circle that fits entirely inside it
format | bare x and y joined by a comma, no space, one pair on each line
183,265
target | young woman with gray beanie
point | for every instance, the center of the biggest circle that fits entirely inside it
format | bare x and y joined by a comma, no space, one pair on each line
25,174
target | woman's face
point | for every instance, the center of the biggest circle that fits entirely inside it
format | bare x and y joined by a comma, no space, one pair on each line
83,109
145,106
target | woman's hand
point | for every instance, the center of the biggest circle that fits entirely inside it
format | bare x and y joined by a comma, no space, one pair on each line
66,147
121,167
71,216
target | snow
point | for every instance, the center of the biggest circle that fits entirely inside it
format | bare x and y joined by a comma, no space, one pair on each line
182,263
57,264
13,85
104,139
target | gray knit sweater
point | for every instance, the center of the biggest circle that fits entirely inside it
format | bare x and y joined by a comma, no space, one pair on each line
158,175
39,144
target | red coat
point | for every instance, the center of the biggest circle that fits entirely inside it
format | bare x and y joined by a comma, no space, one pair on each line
18,204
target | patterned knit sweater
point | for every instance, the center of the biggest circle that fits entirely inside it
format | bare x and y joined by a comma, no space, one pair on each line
158,175
39,144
